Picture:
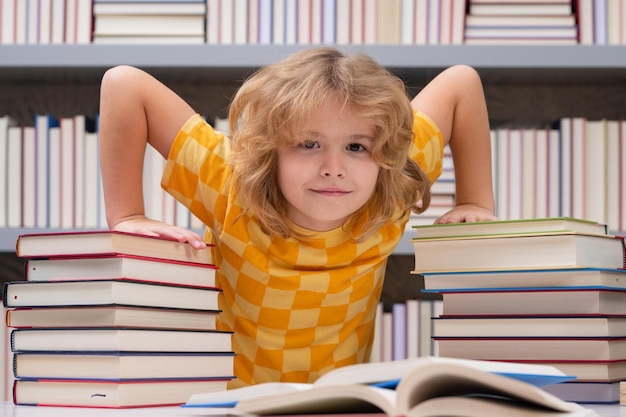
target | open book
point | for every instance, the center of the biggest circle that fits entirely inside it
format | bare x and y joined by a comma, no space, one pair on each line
428,386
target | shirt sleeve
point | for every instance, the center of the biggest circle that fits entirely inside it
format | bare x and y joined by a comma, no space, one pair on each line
427,149
197,173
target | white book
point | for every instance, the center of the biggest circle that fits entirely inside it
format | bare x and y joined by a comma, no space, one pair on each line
541,178
32,22
343,22
371,10
7,22
445,22
29,177
303,22
91,181
291,22
515,174
408,16
421,22
66,162
387,336
253,23
585,22
316,22
612,174
328,22
21,22
412,327
578,164
43,124
434,22
71,9
278,21
146,25
213,22
376,353
356,22
425,316
14,177
594,171
529,165
566,166
554,173
5,123
399,332
45,22
57,22
458,21
84,15
153,193
54,177
265,22
240,22
80,130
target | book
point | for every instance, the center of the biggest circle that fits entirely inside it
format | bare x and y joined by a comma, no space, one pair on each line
566,278
591,371
520,8
111,316
121,266
557,250
450,386
588,392
540,225
110,394
534,349
385,374
103,242
529,302
119,340
122,366
107,292
553,327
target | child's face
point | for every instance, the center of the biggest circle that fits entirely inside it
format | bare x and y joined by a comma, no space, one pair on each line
330,173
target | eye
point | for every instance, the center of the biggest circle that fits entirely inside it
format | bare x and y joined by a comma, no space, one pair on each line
356,147
309,144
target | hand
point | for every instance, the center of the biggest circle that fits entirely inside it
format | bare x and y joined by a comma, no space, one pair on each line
466,213
144,226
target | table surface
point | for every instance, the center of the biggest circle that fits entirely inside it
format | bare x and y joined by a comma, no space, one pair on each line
7,409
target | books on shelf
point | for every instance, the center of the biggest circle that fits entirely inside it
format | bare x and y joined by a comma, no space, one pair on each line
347,390
108,292
122,366
111,316
119,340
531,301
117,266
524,251
107,242
110,394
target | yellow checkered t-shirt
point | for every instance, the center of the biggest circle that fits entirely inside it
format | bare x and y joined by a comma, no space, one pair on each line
298,308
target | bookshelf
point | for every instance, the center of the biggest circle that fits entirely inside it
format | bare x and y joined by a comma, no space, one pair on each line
525,85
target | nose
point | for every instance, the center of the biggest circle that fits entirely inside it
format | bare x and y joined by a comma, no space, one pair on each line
333,165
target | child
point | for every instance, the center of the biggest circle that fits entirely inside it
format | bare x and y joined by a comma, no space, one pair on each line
306,200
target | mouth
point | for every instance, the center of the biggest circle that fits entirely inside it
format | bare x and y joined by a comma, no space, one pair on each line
331,192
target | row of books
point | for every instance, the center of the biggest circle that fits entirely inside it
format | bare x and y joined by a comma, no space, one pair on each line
405,331
51,179
575,170
111,319
549,290
312,22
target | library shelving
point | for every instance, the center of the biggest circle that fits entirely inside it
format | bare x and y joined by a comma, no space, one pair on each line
525,85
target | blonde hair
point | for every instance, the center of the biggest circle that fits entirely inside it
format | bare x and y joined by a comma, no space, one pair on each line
272,106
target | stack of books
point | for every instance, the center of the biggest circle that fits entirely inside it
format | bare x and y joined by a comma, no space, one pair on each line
149,22
521,22
549,290
111,319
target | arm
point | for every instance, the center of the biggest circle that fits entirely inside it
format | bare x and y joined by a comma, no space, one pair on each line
456,103
136,110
